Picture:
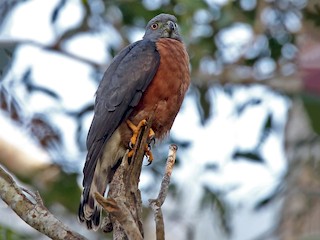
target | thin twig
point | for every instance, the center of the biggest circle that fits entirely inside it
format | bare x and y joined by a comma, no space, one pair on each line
34,212
156,204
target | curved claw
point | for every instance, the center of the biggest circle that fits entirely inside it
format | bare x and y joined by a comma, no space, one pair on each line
149,155
131,145
151,141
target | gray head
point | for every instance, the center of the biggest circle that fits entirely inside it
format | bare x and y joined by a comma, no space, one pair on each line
162,26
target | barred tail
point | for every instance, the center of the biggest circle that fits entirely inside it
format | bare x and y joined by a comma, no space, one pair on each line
89,211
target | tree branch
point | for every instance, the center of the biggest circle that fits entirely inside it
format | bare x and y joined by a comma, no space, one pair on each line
119,210
156,204
123,204
32,211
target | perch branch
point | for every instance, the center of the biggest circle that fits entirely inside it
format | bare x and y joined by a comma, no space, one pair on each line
31,209
122,214
123,204
156,204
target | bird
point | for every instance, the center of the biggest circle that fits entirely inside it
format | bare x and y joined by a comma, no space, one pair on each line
147,78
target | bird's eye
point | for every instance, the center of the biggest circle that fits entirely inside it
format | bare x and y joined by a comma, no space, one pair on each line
154,26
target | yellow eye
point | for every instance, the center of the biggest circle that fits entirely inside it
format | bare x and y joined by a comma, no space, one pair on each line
154,26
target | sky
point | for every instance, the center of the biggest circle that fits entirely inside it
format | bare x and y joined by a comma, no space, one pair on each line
212,143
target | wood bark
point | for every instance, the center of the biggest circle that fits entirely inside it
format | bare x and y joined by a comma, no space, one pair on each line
29,207
123,203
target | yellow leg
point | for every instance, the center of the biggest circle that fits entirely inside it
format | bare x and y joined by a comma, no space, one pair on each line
135,130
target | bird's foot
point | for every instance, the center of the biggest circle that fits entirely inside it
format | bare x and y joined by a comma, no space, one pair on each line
135,132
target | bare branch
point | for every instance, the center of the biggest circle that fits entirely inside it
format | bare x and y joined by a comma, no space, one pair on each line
158,217
124,200
120,211
124,204
33,212
156,204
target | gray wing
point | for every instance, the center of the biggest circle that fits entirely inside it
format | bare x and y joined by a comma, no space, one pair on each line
119,92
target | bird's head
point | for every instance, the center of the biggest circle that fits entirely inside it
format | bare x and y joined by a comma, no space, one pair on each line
162,26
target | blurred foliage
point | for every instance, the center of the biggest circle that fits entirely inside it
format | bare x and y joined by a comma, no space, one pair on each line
313,15
312,106
212,200
264,202
6,52
8,102
6,6
63,190
202,23
8,234
273,26
311,96
248,155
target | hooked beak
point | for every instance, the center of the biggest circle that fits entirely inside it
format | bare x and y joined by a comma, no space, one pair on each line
171,26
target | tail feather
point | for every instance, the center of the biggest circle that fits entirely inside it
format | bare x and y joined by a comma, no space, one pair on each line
89,209
90,212
93,220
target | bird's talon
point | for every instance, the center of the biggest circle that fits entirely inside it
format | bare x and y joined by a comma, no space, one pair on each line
149,155
149,162
151,141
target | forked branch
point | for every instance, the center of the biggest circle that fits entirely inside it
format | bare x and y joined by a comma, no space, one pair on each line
123,204
29,207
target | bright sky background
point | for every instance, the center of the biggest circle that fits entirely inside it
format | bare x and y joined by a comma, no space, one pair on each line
212,143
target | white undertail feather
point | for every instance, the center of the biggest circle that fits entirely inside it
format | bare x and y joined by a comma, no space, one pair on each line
113,151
